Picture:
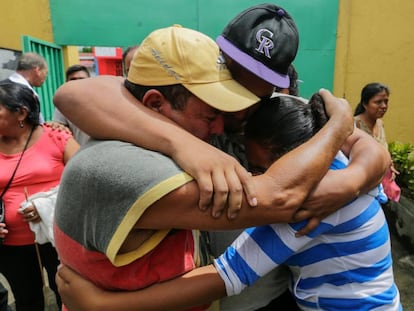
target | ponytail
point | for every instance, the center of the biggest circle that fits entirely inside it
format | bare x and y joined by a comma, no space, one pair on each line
318,111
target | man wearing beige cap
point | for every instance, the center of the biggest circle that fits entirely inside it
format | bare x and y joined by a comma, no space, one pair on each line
118,202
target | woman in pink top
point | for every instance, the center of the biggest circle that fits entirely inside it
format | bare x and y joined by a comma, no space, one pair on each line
32,159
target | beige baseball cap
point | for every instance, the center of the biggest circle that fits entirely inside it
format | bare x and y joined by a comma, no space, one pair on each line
178,55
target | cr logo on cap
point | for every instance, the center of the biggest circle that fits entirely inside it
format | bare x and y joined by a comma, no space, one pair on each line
265,42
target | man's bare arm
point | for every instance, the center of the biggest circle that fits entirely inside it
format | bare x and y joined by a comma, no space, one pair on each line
368,163
368,159
103,108
288,184
195,288
281,190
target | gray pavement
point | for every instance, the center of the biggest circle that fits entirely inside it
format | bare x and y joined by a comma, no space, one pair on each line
403,258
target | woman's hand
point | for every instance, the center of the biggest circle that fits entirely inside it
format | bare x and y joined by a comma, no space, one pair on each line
56,126
29,212
394,172
77,293
3,230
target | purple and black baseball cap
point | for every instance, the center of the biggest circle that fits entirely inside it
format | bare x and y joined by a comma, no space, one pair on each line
263,39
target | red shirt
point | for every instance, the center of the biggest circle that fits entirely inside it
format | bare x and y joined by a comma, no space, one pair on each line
39,170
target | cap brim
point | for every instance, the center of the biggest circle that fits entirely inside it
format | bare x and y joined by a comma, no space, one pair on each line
251,64
227,96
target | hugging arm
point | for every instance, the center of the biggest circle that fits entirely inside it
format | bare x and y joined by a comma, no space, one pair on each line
369,160
281,190
195,288
116,114
104,109
368,163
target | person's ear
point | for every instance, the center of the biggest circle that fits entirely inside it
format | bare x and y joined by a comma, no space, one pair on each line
38,70
22,114
154,100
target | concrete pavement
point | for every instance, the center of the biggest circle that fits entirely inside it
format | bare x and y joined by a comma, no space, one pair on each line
403,258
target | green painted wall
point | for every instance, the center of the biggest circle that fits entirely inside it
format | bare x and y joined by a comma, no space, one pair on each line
127,22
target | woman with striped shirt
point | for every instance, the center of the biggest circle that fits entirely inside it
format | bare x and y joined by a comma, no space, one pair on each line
345,263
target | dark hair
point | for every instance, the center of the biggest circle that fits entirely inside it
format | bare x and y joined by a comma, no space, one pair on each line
29,61
125,53
76,68
176,94
283,123
293,84
368,92
14,96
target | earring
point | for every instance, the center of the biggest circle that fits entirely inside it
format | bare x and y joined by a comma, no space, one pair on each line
21,124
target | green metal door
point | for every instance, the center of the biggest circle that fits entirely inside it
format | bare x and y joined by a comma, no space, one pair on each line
52,53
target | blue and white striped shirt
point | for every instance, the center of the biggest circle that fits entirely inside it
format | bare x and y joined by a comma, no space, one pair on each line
344,264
